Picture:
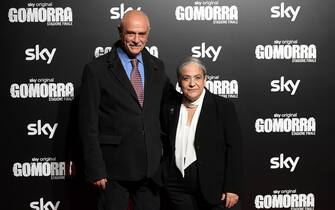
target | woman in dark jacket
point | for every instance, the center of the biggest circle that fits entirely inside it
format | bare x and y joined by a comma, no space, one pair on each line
202,169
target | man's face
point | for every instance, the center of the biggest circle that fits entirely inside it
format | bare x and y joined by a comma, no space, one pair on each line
134,34
192,81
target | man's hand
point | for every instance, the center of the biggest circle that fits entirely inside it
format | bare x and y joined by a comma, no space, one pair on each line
100,184
231,199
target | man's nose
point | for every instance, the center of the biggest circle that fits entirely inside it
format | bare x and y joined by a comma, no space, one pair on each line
137,38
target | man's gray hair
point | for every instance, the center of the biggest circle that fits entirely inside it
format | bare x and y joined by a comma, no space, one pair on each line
191,60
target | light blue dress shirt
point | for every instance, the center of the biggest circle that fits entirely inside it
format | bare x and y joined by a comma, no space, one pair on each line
126,63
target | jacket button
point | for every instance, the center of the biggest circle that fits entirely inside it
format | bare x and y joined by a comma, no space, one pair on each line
142,132
197,147
171,110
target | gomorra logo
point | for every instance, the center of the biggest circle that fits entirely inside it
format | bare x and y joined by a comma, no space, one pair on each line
43,88
291,201
287,50
223,88
54,170
204,12
297,126
53,16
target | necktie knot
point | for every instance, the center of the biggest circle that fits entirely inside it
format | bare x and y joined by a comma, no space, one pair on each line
134,63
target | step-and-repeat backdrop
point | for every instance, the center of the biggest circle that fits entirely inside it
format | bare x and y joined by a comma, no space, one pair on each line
272,58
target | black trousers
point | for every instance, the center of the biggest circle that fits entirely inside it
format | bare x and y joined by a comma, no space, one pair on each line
143,194
184,193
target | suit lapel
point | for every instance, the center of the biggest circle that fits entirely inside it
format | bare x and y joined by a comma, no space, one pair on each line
205,117
116,67
174,111
149,67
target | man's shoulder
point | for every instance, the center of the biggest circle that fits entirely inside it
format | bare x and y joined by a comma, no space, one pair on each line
151,58
101,59
101,63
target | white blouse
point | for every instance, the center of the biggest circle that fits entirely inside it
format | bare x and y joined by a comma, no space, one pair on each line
184,144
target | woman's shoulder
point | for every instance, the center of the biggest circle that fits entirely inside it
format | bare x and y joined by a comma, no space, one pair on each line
220,100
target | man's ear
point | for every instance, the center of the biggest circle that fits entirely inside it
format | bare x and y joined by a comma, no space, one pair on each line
119,29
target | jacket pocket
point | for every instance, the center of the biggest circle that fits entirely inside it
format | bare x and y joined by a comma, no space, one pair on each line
109,139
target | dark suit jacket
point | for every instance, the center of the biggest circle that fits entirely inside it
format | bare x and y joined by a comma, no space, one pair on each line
217,144
121,141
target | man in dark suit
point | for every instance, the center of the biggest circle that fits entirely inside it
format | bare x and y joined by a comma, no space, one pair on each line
203,141
119,123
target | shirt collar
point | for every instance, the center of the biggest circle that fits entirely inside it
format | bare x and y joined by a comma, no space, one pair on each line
123,55
197,102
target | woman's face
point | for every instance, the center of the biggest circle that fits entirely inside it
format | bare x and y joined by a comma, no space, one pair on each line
192,81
